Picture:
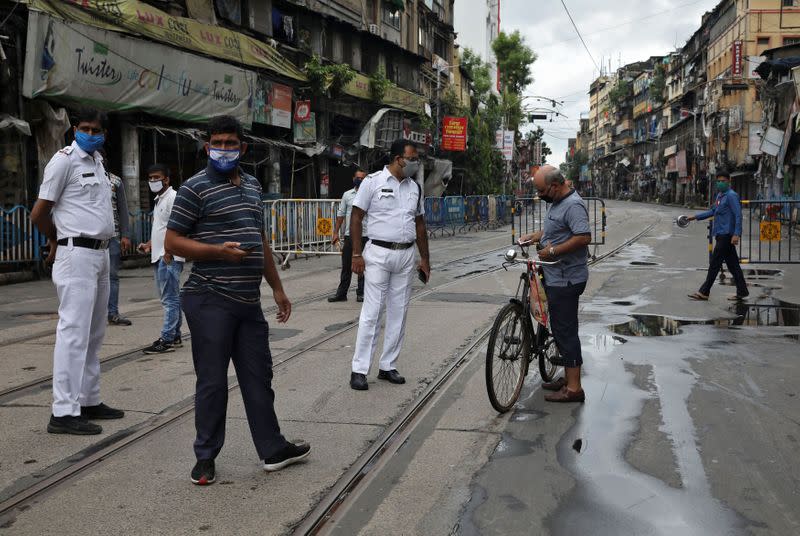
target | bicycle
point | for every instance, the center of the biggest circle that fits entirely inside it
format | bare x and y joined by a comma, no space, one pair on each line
517,338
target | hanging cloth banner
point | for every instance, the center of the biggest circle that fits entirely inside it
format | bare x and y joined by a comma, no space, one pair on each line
105,69
146,20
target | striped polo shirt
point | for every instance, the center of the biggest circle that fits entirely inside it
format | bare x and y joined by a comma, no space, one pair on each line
209,209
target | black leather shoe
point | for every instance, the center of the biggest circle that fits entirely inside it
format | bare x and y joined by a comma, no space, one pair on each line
333,299
358,382
101,411
72,425
391,376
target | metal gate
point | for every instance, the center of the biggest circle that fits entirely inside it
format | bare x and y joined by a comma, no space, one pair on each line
769,232
528,213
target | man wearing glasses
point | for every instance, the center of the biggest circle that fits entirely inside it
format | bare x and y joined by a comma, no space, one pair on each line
396,207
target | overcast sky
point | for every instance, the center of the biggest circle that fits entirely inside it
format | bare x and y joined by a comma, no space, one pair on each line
631,29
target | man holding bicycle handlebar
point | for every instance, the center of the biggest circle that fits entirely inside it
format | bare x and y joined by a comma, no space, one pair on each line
565,236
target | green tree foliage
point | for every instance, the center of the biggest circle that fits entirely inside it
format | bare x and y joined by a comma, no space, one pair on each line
378,84
478,72
514,61
538,134
659,84
621,91
572,167
328,79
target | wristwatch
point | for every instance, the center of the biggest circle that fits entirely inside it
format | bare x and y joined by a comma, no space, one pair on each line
552,251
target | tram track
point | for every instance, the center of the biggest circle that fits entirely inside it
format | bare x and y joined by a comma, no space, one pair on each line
345,491
18,495
23,389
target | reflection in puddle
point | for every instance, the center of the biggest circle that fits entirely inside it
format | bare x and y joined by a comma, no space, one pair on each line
657,325
766,312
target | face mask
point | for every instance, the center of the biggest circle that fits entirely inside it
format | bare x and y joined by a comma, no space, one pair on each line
411,168
722,186
89,143
546,198
224,160
357,183
155,186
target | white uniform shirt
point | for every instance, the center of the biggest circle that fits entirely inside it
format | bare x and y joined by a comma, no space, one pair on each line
78,186
392,206
346,209
161,214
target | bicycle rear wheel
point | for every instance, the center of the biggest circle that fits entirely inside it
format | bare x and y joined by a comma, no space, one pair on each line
548,354
507,357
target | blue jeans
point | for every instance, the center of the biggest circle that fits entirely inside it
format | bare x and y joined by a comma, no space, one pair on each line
168,284
115,256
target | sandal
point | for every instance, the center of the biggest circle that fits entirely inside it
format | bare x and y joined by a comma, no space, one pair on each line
699,297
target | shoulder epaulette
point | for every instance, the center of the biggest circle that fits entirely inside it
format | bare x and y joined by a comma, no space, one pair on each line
67,150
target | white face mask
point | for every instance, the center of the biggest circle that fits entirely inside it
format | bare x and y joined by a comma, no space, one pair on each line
155,186
411,168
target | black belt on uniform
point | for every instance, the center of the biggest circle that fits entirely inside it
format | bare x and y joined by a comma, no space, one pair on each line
391,245
83,242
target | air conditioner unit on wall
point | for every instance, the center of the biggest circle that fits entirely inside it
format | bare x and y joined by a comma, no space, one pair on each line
374,29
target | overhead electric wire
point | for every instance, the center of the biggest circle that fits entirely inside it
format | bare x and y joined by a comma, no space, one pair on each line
580,36
625,23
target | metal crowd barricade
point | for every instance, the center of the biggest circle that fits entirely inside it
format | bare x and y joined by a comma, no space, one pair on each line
301,227
472,214
492,211
528,213
141,226
769,232
20,240
483,211
455,211
435,215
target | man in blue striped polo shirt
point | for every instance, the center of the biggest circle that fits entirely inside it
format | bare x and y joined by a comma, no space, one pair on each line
218,222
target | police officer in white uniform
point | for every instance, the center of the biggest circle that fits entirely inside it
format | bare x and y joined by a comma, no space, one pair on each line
396,207
74,211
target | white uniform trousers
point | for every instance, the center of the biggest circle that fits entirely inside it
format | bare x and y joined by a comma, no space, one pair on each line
81,279
387,281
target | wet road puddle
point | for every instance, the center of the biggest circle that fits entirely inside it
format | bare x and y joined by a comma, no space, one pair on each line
765,312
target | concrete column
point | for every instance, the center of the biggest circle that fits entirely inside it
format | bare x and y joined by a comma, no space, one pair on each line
130,166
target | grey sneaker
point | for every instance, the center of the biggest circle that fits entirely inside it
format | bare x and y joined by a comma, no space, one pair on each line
118,320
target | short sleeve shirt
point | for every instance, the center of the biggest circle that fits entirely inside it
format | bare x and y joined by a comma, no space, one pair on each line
209,209
346,209
566,218
77,184
161,215
392,206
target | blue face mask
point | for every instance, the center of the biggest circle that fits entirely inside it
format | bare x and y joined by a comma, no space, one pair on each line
89,143
224,160
357,183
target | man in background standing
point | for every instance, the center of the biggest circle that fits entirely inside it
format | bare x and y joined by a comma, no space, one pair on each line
121,243
167,268
343,216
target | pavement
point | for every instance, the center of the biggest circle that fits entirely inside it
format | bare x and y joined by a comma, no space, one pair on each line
692,431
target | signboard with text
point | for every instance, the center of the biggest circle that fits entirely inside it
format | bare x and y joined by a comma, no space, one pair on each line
504,141
736,59
272,104
454,133
101,68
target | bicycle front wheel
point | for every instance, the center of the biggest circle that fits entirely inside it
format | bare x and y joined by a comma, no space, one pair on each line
507,357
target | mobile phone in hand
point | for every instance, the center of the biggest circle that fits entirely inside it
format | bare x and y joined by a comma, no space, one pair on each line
422,276
249,246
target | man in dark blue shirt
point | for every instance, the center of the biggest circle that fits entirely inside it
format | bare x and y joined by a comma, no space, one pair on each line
727,213
217,221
